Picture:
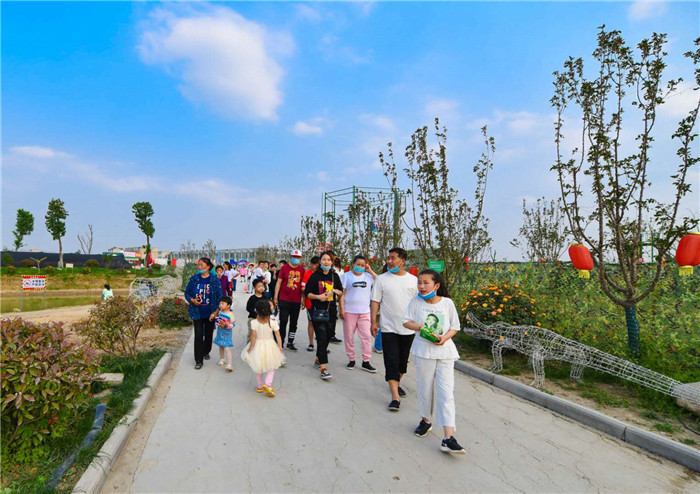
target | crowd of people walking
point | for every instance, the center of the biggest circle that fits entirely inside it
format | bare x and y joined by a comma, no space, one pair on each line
397,313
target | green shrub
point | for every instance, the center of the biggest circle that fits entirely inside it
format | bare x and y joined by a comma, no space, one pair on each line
172,312
113,326
11,270
6,260
155,267
28,263
187,271
49,269
92,263
503,302
45,378
86,270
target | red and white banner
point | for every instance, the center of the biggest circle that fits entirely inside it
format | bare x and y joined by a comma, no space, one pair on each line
33,283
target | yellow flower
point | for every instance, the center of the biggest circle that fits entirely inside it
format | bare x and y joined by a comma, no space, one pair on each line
484,305
502,306
515,322
539,324
499,310
533,312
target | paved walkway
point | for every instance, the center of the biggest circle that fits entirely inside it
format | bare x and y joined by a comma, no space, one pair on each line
216,434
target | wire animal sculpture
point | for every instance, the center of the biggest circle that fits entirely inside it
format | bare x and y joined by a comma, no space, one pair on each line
541,344
152,287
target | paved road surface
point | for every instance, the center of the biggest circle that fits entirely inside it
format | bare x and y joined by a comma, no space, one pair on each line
216,434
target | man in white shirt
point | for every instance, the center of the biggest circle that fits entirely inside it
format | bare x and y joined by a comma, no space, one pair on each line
391,295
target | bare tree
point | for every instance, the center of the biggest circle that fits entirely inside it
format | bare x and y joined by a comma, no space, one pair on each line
619,182
543,234
86,241
444,226
188,251
209,249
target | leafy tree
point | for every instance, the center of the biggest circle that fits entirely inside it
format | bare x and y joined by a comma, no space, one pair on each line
56,224
143,211
23,227
444,226
543,234
619,179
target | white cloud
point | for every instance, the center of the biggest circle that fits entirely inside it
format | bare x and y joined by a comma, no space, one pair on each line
444,109
333,49
320,176
381,122
38,152
223,60
679,104
308,13
644,9
304,129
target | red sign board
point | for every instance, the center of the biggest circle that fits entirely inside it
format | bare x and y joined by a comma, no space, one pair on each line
33,283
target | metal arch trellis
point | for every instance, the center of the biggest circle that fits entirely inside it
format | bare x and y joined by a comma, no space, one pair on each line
343,199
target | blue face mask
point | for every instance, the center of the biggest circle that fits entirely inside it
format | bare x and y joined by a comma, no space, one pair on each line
201,271
394,270
294,262
326,268
427,296
358,269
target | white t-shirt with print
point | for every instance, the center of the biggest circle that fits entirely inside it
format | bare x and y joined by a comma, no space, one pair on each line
440,317
394,292
358,292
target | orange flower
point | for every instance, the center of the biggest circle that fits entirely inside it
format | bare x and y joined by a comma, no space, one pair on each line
501,306
499,310
533,312
493,312
539,324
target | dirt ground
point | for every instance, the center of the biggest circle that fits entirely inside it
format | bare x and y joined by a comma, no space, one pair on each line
631,414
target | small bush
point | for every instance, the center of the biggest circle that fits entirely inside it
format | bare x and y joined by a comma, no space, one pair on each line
155,267
11,270
28,263
113,326
86,270
92,263
503,302
172,312
6,260
121,270
45,378
49,269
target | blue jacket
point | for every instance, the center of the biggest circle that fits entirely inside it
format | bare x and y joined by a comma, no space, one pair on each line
214,299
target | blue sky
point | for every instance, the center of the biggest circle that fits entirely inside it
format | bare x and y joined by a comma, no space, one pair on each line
233,118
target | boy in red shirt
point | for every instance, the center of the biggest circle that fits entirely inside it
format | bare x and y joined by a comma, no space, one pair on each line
288,295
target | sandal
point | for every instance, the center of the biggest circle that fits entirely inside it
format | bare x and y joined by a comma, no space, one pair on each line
259,390
269,391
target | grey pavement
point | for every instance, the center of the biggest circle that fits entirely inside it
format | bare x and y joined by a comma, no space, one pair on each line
216,434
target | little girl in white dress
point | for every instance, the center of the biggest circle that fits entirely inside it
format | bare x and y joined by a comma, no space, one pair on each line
263,353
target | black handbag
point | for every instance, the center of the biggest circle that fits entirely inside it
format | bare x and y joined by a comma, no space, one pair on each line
321,315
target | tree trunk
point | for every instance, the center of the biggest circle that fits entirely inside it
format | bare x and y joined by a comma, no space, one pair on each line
60,253
148,250
632,328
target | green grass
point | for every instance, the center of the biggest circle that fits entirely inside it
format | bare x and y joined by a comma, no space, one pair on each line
25,477
36,302
689,442
668,428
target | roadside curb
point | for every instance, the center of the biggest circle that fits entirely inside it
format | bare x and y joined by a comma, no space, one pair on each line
653,443
95,475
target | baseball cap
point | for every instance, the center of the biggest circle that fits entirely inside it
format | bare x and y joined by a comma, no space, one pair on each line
295,253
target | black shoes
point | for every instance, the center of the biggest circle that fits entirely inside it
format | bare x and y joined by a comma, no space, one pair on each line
290,346
310,348
450,445
402,393
423,428
325,375
198,365
394,405
366,366
207,357
335,340
350,366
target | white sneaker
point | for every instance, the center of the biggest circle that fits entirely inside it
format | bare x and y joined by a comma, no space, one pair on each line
229,368
221,362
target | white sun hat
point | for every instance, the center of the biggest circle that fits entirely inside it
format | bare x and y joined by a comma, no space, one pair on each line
295,253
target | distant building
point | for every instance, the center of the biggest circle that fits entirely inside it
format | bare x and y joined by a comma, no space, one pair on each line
135,255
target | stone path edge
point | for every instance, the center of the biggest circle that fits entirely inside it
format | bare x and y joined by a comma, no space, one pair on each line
653,443
96,473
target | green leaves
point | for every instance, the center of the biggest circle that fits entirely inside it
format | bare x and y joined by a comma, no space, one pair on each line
55,219
24,226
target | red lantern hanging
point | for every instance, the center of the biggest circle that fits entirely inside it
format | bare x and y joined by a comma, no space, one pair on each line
413,270
581,259
688,253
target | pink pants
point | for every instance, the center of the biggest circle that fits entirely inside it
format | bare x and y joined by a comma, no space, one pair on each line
361,323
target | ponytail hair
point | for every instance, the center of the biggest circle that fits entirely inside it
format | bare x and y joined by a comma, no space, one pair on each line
437,279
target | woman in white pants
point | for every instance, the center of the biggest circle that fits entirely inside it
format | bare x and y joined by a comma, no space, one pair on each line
434,316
